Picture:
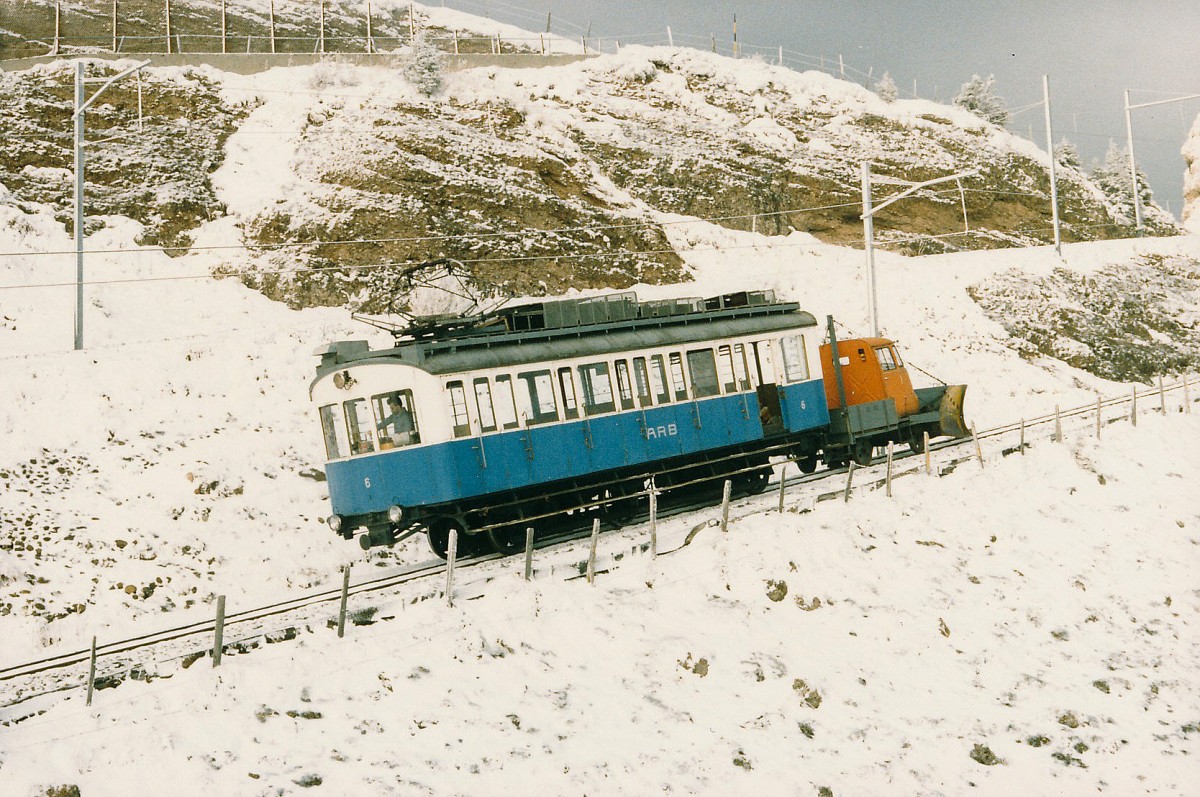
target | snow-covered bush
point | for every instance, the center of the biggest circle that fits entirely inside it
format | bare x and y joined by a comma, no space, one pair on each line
978,96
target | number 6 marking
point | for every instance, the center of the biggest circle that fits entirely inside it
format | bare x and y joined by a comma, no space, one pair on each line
367,482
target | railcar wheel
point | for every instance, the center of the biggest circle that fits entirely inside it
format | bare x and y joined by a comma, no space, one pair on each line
439,538
807,464
916,441
508,540
756,481
861,452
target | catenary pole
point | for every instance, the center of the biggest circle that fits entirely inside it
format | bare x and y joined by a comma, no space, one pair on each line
1137,202
1053,171
869,238
78,205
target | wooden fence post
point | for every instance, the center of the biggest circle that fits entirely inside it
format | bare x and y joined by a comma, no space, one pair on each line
1162,396
371,45
114,25
321,40
219,632
889,469
92,673
928,459
849,481
591,564
978,450
653,519
57,26
528,553
725,505
168,12
451,555
782,485
1021,446
1133,408
224,29
345,600
1058,434
272,25
1099,409
1187,399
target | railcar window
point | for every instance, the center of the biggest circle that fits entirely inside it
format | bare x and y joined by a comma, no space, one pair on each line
739,366
539,387
703,369
795,361
360,425
763,363
483,405
896,354
642,377
597,388
624,388
886,360
506,407
336,445
458,409
725,368
678,383
566,384
658,380
397,419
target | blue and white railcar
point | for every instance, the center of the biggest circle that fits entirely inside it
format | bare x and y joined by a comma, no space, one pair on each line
486,422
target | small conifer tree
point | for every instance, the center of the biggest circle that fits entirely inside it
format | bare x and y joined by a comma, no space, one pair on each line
1111,176
886,88
978,95
424,65
1067,154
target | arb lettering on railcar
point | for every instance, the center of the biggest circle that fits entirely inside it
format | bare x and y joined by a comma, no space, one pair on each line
670,430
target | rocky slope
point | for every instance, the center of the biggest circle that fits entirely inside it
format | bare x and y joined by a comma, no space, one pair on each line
1191,184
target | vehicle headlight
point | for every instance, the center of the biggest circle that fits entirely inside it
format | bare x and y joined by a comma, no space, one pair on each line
395,514
335,522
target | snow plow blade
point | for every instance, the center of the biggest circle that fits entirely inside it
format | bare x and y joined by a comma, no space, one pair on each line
950,412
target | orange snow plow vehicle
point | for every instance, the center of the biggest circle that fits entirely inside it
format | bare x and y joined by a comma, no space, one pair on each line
872,401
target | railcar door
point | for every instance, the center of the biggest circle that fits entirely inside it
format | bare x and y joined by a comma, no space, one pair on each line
770,412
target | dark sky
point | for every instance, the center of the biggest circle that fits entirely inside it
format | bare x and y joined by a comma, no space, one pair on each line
1092,50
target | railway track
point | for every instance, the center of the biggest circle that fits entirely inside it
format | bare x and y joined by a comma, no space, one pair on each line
137,657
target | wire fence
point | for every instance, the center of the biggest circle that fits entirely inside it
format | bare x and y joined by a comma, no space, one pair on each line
312,27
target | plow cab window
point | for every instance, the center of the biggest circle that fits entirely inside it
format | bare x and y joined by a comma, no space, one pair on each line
336,444
360,425
397,424
887,360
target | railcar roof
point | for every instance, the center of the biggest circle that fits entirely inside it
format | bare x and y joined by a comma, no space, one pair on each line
641,325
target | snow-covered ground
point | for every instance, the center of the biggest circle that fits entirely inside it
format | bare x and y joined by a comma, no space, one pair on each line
1043,607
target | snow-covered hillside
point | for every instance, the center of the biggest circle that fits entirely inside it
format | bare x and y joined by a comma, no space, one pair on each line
166,464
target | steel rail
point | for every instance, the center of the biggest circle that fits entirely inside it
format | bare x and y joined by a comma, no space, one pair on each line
415,573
